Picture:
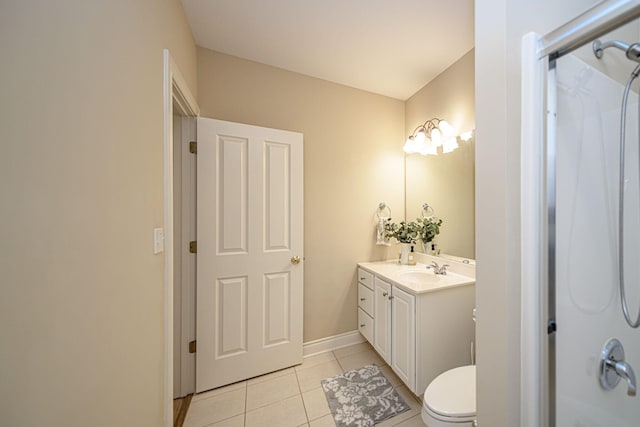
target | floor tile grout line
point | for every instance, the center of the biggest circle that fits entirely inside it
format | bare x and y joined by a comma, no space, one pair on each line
204,401
219,394
271,403
246,396
276,401
306,414
280,402
321,416
222,420
333,352
301,367
355,352
260,378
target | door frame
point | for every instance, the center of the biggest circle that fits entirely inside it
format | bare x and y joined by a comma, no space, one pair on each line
185,261
175,89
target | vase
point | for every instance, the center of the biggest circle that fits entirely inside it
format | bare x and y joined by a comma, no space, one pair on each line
427,247
404,253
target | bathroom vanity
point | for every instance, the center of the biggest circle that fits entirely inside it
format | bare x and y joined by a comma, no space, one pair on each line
419,322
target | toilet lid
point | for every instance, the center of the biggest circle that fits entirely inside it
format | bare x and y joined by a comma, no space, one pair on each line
453,393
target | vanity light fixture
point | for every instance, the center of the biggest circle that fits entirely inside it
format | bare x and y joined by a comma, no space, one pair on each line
434,133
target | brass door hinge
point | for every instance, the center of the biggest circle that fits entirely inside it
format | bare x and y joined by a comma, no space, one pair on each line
192,346
193,247
193,147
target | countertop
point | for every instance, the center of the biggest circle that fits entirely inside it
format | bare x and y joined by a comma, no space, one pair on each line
397,275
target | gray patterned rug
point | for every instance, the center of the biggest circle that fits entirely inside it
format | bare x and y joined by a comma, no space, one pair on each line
362,397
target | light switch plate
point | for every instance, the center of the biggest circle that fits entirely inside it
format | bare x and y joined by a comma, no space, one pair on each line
158,240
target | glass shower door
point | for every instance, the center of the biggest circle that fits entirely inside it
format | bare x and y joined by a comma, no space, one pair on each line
588,97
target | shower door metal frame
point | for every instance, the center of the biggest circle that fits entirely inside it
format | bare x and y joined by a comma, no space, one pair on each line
538,190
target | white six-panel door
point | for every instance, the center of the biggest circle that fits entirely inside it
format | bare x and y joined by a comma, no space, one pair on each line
250,238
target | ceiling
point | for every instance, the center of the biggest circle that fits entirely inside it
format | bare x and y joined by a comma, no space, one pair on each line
389,47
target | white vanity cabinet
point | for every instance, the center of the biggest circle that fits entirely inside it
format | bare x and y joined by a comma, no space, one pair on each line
419,333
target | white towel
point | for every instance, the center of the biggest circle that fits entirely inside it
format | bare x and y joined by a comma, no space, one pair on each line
380,238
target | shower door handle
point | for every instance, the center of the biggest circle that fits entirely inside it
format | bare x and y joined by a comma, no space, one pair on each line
613,367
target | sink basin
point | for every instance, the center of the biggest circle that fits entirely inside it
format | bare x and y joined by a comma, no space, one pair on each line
420,276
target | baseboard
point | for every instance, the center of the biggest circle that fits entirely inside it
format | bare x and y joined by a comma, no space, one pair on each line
331,343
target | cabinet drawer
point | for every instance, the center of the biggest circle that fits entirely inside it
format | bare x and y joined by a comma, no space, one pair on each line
365,299
365,278
365,325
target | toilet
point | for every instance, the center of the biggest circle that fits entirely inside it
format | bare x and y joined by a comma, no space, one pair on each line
450,399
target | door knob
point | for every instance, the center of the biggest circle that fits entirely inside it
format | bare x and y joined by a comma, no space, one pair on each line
295,260
613,367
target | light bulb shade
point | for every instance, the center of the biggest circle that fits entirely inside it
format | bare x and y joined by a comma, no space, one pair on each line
449,145
466,136
421,136
428,148
436,137
446,129
423,147
410,145
432,150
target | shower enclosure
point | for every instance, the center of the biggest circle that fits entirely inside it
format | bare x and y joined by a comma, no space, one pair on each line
581,253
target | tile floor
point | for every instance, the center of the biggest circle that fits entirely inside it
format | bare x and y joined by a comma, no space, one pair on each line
293,397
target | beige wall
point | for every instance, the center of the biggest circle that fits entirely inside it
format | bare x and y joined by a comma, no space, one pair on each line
352,157
81,122
445,181
500,25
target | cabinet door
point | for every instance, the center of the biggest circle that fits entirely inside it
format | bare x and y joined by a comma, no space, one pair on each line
382,318
403,337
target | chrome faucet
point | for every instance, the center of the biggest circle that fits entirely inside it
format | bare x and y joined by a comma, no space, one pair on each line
613,367
438,269
625,372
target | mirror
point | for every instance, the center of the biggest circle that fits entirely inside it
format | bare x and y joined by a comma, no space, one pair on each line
445,182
